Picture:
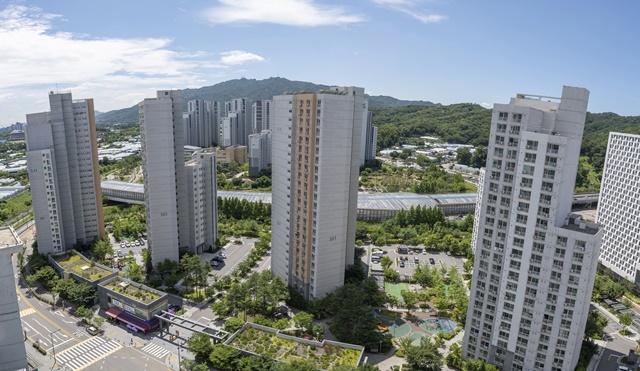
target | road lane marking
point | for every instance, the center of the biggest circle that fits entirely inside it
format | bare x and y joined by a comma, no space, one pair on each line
43,316
26,312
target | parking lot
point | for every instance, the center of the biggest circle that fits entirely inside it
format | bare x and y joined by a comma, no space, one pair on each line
410,261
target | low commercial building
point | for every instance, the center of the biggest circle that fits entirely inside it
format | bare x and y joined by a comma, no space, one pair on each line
132,303
230,154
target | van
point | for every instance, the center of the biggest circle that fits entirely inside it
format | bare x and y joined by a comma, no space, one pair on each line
378,252
416,259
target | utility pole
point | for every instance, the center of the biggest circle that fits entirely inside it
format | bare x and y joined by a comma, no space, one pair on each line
54,347
179,351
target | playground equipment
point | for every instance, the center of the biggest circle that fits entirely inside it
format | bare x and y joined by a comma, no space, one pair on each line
383,328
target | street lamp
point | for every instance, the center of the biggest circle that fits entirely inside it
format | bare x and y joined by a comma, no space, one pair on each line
54,347
179,351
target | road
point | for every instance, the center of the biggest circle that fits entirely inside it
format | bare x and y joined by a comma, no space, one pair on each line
616,347
51,328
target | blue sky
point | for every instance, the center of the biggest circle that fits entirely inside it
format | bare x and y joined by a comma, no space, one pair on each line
445,51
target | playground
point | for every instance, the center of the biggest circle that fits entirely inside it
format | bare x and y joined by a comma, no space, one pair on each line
435,325
401,328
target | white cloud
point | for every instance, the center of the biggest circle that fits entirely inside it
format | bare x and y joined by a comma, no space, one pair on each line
236,57
302,13
116,72
408,7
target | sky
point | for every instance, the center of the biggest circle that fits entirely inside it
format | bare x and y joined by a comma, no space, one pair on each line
444,51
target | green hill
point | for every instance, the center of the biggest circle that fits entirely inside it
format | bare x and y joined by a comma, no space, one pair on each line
252,89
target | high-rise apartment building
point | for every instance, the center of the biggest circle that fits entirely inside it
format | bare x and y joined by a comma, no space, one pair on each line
535,262
165,182
261,110
202,201
618,207
259,152
201,123
316,156
242,107
64,174
231,130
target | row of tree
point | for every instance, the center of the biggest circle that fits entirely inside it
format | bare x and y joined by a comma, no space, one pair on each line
243,209
261,293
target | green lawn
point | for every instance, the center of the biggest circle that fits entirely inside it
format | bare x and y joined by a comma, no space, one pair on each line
395,288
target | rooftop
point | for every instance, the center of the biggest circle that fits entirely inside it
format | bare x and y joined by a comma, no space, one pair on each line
575,223
83,268
133,290
9,238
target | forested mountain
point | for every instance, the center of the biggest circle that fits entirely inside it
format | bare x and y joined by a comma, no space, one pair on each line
252,89
457,123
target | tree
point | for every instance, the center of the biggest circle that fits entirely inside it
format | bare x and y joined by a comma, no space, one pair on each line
410,299
424,357
224,357
101,248
82,294
386,262
85,313
200,345
295,365
390,275
46,275
454,358
303,320
625,320
479,158
133,272
255,363
233,324
463,156
596,323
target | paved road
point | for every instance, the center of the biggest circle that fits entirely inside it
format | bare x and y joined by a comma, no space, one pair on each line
234,255
49,327
617,346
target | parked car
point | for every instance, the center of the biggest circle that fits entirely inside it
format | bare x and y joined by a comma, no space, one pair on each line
141,242
174,307
432,261
93,331
217,258
120,254
214,263
424,252
401,264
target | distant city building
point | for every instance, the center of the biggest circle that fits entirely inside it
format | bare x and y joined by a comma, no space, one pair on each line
368,145
64,174
231,154
618,207
261,116
18,126
202,201
165,181
201,123
316,158
16,135
535,262
259,152
231,130
242,107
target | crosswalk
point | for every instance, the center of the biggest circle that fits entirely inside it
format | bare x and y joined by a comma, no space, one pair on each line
87,352
27,312
155,350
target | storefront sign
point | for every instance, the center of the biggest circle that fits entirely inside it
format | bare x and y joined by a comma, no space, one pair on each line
129,309
117,303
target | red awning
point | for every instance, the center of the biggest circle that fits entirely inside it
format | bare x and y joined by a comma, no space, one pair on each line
113,312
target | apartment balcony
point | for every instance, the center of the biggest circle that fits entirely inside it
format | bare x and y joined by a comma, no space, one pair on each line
578,248
550,150
549,163
524,197
577,260
544,215
504,204
542,226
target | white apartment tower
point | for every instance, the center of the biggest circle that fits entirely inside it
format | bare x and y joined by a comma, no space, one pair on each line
618,207
535,262
64,174
202,201
242,107
165,183
259,152
261,110
201,123
316,156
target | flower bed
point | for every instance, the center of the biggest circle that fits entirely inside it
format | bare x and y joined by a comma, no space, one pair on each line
269,344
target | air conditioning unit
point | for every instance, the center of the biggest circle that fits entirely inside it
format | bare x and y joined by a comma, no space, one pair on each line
528,147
